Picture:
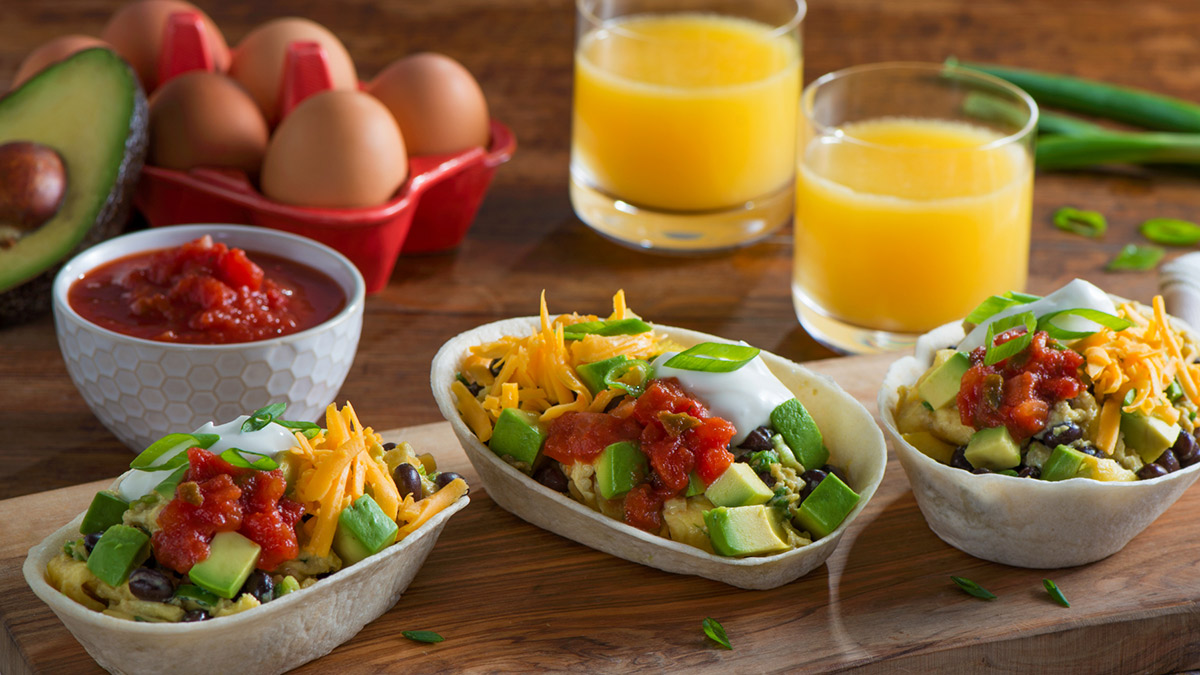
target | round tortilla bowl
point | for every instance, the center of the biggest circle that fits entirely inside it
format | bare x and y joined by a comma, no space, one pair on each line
276,637
847,427
1019,521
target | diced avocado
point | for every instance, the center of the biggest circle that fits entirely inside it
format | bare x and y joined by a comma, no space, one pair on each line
745,530
287,585
786,456
194,594
90,109
1149,436
106,510
121,548
695,485
231,559
1065,462
738,486
619,468
800,432
363,530
518,435
993,449
593,374
930,445
828,505
940,388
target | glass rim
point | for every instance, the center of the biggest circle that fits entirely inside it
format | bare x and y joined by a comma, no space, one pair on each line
584,9
1027,129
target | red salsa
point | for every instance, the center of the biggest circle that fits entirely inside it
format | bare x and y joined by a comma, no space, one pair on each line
1019,391
204,292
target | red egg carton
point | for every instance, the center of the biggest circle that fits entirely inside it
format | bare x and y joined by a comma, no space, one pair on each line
431,212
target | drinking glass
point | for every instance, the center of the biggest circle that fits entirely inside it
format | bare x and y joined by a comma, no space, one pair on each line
913,200
685,116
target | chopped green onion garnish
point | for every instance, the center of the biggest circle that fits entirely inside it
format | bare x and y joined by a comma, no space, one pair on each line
172,446
1088,223
1055,593
713,357
1046,323
998,303
928,405
263,416
263,463
1023,298
1129,397
1170,231
167,487
609,327
309,429
973,588
1136,258
1174,391
618,377
426,636
715,632
997,353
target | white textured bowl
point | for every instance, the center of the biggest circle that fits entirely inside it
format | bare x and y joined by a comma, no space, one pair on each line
273,638
1020,521
143,389
847,427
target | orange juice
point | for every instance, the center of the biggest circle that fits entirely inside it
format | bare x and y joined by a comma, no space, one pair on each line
904,224
685,112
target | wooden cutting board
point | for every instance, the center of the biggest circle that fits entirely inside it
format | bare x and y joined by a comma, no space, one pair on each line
508,596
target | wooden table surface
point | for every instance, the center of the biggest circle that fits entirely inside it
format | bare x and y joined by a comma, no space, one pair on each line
526,237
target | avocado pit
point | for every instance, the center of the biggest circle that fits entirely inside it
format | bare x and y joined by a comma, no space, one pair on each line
33,183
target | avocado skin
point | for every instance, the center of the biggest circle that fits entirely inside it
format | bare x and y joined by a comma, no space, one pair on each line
32,298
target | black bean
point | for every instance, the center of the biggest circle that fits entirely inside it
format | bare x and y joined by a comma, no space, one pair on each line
408,480
389,446
1029,472
90,540
1151,471
260,585
829,468
1063,433
1186,449
551,476
1089,449
151,585
759,439
474,388
979,471
767,478
1168,461
195,615
959,459
811,479
495,366
445,478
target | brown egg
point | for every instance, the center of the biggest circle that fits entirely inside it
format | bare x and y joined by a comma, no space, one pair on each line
206,119
136,32
52,52
259,60
436,101
337,149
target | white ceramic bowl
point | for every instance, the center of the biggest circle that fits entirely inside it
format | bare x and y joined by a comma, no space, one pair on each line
1020,521
143,389
273,638
851,434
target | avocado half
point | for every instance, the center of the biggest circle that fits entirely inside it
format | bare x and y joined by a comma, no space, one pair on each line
90,108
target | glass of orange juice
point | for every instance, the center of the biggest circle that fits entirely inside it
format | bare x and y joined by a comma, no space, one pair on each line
685,117
913,197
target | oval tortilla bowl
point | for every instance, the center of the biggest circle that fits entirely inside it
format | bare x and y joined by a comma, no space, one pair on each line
1020,521
276,637
855,442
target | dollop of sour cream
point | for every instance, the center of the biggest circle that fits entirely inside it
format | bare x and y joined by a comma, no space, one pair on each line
745,396
271,440
1078,294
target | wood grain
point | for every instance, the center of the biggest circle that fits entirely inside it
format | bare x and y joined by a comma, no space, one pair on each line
511,597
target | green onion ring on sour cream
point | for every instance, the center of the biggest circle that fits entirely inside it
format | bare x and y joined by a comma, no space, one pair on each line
1078,294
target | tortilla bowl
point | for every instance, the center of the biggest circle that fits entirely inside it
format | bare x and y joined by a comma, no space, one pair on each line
1020,521
857,445
278,636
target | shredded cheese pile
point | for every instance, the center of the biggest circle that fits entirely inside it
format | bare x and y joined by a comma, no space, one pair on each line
1146,357
538,372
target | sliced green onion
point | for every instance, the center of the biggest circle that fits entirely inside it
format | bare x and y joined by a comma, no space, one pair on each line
615,377
1046,323
997,353
1129,397
713,357
1023,298
715,632
1136,258
167,487
263,416
1088,223
263,463
1170,231
172,446
1174,392
309,429
998,303
606,328
426,636
928,405
973,588
1055,593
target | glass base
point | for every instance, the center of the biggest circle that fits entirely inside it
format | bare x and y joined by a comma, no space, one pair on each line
844,337
675,232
